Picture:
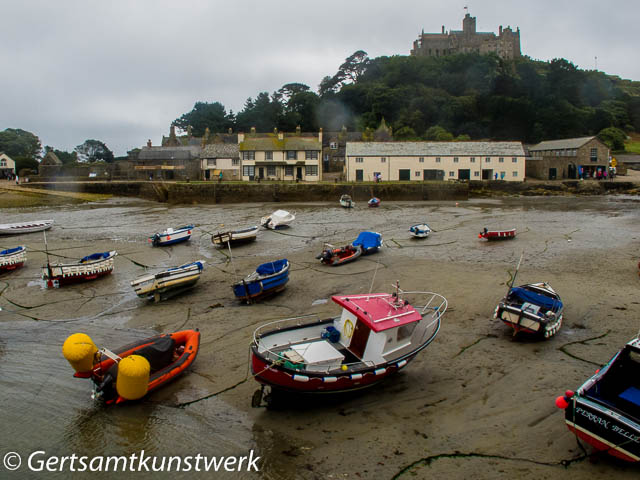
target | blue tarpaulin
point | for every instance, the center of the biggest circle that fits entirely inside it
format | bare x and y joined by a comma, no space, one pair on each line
10,251
537,299
272,267
94,256
368,240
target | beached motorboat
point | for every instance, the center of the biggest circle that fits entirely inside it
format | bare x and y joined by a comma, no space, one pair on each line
374,202
278,219
370,242
235,237
605,410
420,230
375,336
12,258
497,234
269,278
171,236
25,227
90,267
534,308
338,256
122,374
346,201
168,282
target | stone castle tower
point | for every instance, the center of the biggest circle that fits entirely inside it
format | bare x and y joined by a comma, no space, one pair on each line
506,44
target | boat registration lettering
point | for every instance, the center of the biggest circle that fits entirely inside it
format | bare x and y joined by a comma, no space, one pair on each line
625,434
607,424
593,417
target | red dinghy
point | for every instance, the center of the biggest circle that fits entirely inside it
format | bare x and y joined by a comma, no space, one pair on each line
497,234
375,336
338,256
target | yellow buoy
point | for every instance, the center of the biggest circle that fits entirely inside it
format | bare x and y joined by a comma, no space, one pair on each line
79,351
133,377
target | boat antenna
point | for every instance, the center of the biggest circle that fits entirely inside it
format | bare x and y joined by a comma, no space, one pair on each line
513,280
46,251
374,277
235,275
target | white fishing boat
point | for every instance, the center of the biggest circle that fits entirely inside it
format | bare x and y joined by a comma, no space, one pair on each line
278,219
171,236
25,227
420,230
235,237
173,280
90,267
12,258
346,201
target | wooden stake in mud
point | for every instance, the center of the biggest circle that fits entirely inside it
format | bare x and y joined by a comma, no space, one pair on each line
46,251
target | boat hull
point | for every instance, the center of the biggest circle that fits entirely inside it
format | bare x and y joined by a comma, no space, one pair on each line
237,237
498,234
12,259
25,227
58,275
171,237
339,256
172,281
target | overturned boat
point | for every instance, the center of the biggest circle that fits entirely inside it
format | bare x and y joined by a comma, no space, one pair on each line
268,278
132,371
534,308
420,230
375,336
168,282
338,256
12,258
171,236
87,268
278,219
25,227
605,410
374,202
235,237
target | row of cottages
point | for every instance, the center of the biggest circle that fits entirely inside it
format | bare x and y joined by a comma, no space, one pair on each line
561,159
280,156
416,161
7,166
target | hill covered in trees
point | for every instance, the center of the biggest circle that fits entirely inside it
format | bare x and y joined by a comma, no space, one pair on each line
438,98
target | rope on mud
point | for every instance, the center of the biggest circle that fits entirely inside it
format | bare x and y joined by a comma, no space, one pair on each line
562,348
309,267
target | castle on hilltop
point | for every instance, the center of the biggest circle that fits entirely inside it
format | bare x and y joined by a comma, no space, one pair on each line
506,44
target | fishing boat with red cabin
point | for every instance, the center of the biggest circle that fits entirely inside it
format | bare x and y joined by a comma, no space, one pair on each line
605,410
132,371
87,268
497,234
376,335
12,258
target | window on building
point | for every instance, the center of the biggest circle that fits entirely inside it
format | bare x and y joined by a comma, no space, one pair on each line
421,160
476,174
417,173
311,170
472,159
501,160
437,159
514,159
333,145
211,162
292,155
248,155
452,174
311,155
359,159
487,159
594,155
456,159
515,173
383,159
326,157
288,171
248,170
235,162
271,170
268,155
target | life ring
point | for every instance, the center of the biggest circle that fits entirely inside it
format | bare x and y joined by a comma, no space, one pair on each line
347,329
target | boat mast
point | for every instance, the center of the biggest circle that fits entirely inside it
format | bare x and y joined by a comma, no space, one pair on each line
513,280
46,251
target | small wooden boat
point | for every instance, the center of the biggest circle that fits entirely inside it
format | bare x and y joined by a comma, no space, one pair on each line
25,227
269,278
346,201
168,282
374,202
12,258
339,256
375,336
90,267
171,236
235,237
420,230
605,410
497,234
534,308
167,356
278,219
370,242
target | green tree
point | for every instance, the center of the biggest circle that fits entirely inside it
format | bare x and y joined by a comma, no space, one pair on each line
206,115
65,157
18,143
438,133
613,137
263,113
93,151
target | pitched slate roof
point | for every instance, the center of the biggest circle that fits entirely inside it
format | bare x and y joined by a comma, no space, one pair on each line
562,144
271,142
169,153
441,149
221,150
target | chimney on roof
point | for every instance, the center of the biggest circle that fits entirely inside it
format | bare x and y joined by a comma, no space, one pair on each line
298,130
320,135
275,130
500,30
280,135
443,29
253,130
149,143
240,137
230,131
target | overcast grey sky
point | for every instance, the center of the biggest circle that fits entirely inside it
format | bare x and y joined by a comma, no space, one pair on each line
121,71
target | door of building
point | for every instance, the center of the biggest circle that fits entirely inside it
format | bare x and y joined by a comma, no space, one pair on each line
359,175
572,171
261,173
464,174
433,174
299,173
487,173
552,173
404,174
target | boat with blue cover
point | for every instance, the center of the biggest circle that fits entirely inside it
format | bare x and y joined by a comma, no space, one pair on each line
374,202
171,236
269,278
90,267
605,410
534,308
370,242
12,258
168,282
420,230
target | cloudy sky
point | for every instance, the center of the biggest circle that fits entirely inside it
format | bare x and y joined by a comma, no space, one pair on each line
121,71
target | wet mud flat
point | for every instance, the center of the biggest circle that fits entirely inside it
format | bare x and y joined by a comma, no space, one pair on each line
475,404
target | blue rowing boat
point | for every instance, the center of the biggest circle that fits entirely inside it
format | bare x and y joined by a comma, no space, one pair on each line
269,278
171,236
